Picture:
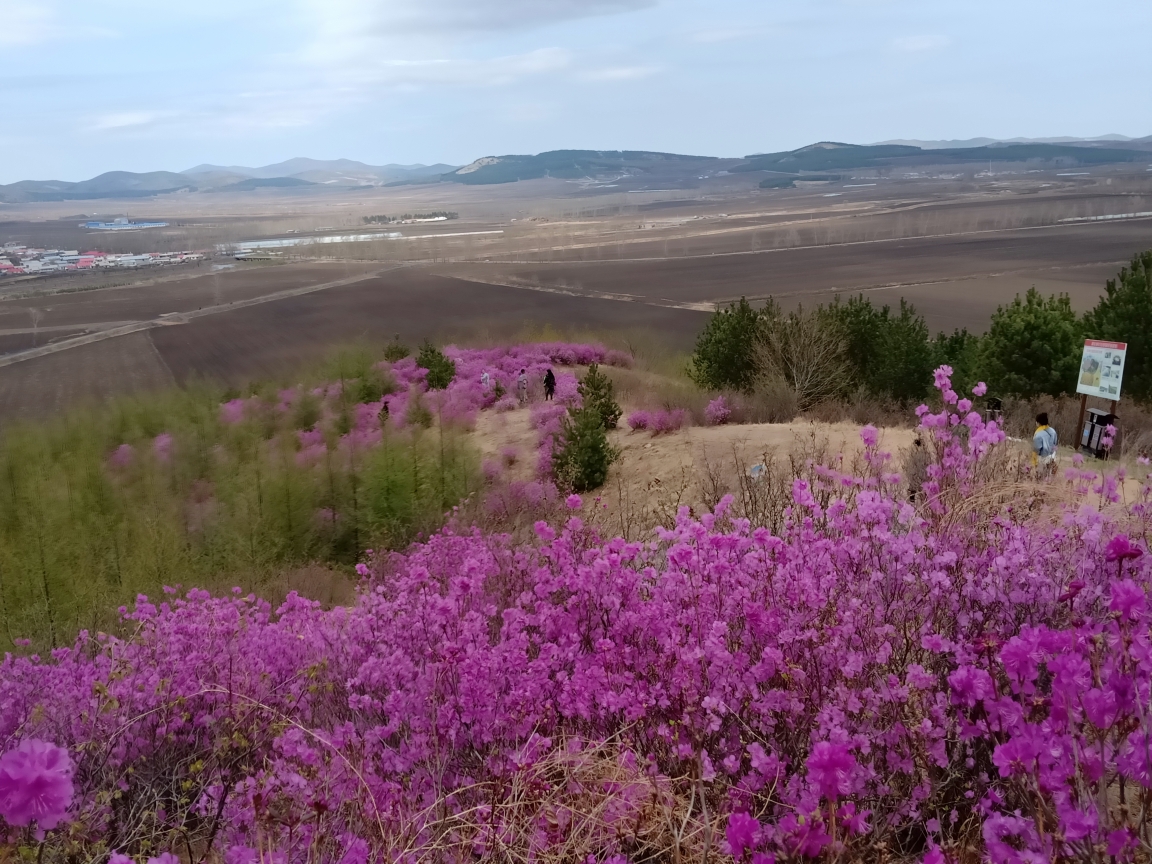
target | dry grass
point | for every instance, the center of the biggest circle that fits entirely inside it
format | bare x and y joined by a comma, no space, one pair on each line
576,802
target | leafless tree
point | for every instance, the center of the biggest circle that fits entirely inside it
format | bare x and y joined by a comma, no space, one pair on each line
807,350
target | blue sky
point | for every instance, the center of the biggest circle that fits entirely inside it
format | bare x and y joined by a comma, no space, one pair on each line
166,84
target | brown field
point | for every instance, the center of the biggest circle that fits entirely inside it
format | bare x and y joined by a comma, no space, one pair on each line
579,260
268,340
81,376
956,281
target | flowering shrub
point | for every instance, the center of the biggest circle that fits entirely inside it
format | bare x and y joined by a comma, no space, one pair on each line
122,456
657,422
717,412
668,421
639,421
162,446
873,680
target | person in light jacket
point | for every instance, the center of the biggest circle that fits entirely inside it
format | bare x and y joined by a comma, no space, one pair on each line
1044,444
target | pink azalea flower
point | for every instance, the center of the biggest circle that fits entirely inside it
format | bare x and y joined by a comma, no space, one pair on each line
829,767
35,785
1120,548
741,833
1074,588
1128,600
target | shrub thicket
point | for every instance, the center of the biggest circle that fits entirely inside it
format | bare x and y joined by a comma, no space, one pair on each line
1032,348
961,351
818,353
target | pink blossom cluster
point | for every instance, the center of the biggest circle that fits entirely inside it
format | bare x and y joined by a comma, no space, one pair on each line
717,412
873,677
657,422
35,785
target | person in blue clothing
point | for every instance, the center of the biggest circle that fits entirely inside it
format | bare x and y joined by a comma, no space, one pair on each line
1044,444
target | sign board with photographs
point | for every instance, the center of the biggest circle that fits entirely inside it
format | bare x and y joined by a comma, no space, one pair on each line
1102,369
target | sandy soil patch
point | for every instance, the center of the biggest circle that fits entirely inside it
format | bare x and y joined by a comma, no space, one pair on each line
661,472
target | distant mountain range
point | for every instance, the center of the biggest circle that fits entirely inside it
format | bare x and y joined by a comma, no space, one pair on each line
1101,141
331,172
603,167
218,178
114,184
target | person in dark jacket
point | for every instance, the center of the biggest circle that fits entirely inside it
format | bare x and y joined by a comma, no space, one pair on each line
549,385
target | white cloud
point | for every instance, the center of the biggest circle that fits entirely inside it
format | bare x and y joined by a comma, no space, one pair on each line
361,69
123,120
325,92
446,16
731,34
620,73
25,23
921,43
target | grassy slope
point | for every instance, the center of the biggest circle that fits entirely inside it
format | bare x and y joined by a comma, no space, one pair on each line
229,506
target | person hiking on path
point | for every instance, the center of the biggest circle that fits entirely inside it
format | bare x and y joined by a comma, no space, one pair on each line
1044,445
485,380
549,386
916,469
522,386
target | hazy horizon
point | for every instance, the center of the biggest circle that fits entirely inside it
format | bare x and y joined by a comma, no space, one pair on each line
126,85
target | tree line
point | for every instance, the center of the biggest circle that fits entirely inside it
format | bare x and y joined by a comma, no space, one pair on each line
1032,346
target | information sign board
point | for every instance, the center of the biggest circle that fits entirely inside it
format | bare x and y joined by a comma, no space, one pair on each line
1102,369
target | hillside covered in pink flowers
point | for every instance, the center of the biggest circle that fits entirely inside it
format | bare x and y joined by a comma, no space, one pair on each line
958,677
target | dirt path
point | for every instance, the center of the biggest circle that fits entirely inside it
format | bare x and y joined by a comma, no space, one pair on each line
667,470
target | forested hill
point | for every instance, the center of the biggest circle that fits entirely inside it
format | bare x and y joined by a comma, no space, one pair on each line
573,165
831,156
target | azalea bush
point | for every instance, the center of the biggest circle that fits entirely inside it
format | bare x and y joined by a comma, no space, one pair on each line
874,680
718,412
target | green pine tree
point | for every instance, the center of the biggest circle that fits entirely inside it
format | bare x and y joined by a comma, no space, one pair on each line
1033,346
725,355
583,455
441,370
597,392
891,352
